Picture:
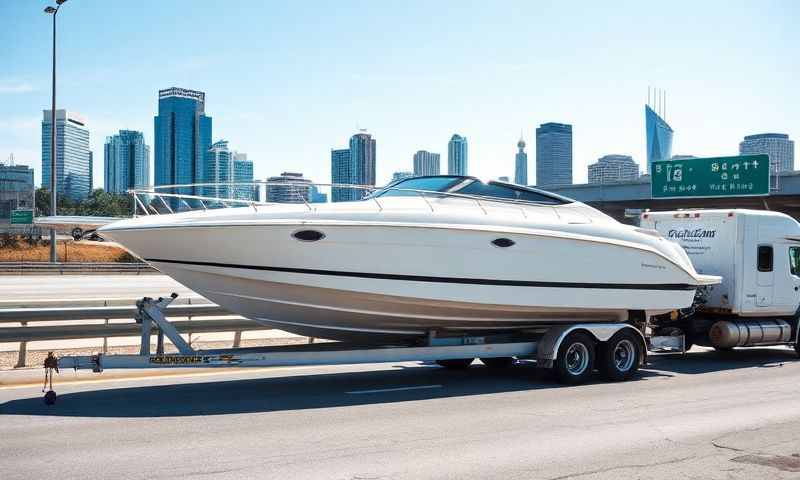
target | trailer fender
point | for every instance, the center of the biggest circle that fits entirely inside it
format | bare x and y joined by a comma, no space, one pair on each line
548,346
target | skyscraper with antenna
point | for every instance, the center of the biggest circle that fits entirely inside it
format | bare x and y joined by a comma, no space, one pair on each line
658,132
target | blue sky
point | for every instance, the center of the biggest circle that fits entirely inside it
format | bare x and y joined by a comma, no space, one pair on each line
286,82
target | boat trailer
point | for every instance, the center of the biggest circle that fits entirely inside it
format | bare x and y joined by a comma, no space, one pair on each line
553,347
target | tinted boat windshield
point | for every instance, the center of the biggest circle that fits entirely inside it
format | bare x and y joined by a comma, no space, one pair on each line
471,186
429,184
509,192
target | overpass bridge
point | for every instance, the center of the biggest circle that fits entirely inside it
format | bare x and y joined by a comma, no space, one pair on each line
615,198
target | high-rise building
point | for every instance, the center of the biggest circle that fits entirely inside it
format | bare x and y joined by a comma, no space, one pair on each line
297,190
16,188
353,166
341,166
777,145
362,155
659,137
182,138
426,163
553,154
127,161
457,155
315,196
73,158
521,164
243,173
401,175
226,168
612,169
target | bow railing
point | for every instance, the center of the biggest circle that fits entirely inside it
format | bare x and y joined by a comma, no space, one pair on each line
167,199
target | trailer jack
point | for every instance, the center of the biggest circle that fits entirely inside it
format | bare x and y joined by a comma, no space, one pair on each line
149,311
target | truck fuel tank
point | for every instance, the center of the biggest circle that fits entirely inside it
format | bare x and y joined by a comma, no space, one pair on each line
729,334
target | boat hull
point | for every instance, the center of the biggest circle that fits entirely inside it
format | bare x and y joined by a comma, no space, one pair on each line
392,282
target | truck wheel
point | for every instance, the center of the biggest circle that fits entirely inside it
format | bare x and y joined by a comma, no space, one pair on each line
455,363
498,362
619,357
575,360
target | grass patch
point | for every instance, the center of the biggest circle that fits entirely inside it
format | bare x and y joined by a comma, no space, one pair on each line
68,251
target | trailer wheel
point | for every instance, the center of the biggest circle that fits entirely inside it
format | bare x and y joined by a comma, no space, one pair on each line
575,360
619,357
455,363
498,362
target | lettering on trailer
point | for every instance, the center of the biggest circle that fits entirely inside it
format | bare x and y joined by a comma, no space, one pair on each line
178,359
192,359
690,235
743,175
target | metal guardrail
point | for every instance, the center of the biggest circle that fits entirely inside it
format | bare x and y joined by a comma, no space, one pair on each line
38,268
26,333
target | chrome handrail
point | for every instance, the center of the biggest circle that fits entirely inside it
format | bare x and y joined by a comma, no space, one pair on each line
153,191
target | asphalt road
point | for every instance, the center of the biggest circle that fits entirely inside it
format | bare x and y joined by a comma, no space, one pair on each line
706,415
59,288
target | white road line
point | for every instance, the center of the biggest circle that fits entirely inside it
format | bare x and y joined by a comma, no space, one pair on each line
398,389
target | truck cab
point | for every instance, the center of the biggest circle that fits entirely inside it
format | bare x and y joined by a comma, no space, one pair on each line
757,253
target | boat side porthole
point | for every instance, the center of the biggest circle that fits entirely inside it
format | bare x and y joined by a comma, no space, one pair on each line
502,242
308,235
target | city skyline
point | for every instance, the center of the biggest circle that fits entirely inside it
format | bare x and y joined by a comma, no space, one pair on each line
285,118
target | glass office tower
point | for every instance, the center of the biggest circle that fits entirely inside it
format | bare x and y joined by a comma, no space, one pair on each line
426,163
127,161
659,137
182,138
457,155
16,188
73,158
553,154
341,165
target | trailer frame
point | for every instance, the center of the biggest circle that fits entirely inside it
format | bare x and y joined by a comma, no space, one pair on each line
546,345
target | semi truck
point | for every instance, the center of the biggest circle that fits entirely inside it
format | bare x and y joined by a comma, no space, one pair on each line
757,254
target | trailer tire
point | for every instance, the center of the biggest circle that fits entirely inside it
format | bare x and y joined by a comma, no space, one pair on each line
455,363
575,361
618,359
498,362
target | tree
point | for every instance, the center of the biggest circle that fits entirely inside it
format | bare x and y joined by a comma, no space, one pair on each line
99,204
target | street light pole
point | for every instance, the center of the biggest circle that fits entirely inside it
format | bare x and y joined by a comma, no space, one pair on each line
53,205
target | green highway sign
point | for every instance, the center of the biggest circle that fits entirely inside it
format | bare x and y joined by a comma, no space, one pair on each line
21,217
744,175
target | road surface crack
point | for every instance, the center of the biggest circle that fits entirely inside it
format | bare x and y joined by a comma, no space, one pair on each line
623,467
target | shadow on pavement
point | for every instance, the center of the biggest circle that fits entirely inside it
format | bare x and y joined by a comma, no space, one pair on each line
296,392
325,390
707,361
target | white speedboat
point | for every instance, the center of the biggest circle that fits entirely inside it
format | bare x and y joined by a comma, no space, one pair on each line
442,254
